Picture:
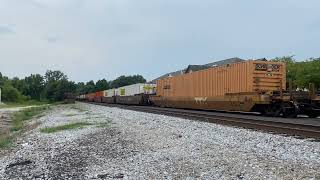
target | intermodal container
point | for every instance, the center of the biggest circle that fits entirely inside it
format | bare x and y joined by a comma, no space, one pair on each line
135,89
109,93
247,76
90,97
99,94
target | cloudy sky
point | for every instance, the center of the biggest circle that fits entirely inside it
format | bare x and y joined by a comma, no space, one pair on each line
94,39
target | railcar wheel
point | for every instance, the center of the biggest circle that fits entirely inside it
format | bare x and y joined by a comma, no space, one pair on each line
289,111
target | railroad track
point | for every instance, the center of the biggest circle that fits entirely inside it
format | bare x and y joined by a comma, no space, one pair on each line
303,128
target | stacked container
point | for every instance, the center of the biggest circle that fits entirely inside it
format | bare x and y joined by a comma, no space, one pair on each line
136,89
248,76
109,93
108,96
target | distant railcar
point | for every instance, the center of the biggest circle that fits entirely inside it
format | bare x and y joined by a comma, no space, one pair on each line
98,96
136,94
90,97
69,97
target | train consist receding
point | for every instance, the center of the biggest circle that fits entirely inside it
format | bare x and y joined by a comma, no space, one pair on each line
248,86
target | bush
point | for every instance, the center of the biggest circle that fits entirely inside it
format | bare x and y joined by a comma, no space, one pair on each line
11,94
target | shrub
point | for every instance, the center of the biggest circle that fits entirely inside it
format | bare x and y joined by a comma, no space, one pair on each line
11,94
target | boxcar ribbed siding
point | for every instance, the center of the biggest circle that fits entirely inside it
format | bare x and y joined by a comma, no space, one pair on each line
211,82
217,81
207,90
198,84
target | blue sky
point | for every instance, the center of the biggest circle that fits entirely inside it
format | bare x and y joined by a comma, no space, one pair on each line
95,39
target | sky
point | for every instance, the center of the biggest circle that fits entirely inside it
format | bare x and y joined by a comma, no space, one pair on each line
96,39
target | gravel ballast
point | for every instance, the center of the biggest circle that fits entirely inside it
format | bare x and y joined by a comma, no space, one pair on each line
135,145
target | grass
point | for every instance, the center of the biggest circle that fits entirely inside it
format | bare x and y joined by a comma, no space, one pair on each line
103,124
26,114
18,120
70,126
5,141
75,125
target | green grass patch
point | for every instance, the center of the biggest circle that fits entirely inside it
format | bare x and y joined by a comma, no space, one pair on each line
103,125
5,142
26,114
70,126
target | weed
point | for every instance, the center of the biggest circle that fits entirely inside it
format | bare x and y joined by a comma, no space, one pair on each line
5,142
65,127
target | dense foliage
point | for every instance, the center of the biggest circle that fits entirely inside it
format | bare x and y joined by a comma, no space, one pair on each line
53,85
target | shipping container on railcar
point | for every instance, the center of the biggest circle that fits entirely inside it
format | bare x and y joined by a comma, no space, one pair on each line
98,96
90,97
109,93
108,96
135,89
136,94
245,86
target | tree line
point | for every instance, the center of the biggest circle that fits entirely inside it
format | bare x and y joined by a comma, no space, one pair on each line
53,84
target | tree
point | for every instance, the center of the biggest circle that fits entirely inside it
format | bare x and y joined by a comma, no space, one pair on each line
102,85
55,90
308,72
34,86
11,94
127,80
3,80
19,84
80,88
54,76
56,84
90,87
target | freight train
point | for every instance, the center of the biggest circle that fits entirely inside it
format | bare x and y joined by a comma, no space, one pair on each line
248,86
